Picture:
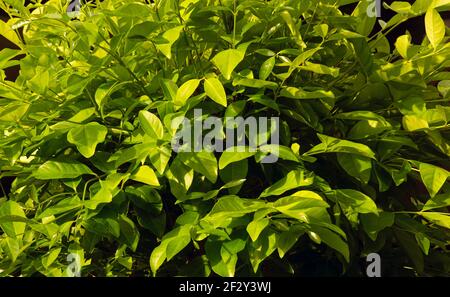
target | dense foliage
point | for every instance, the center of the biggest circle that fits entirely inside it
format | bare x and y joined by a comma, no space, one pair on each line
86,135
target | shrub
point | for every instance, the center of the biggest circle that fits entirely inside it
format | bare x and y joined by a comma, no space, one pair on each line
87,130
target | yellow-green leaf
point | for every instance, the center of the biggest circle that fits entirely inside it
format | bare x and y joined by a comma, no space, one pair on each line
145,175
151,124
185,91
227,61
434,26
214,90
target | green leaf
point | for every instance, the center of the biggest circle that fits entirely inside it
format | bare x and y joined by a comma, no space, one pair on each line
234,154
354,200
234,172
12,229
157,258
266,68
402,45
169,38
59,169
102,92
129,232
444,87
321,30
229,207
227,61
304,206
13,112
293,28
320,69
296,93
280,151
438,201
50,257
185,91
423,242
214,90
357,166
8,33
334,145
214,250
63,206
255,228
373,223
294,179
86,137
180,178
203,162
262,248
145,175
254,83
151,124
103,226
160,156
264,100
414,123
363,115
434,27
441,219
433,177
169,89
171,244
333,240
286,240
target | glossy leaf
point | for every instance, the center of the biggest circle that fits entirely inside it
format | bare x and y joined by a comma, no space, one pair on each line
215,91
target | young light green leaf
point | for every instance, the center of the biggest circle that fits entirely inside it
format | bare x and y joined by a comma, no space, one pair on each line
433,177
151,124
7,32
227,61
145,175
441,219
185,91
214,90
160,156
434,26
402,45
169,37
